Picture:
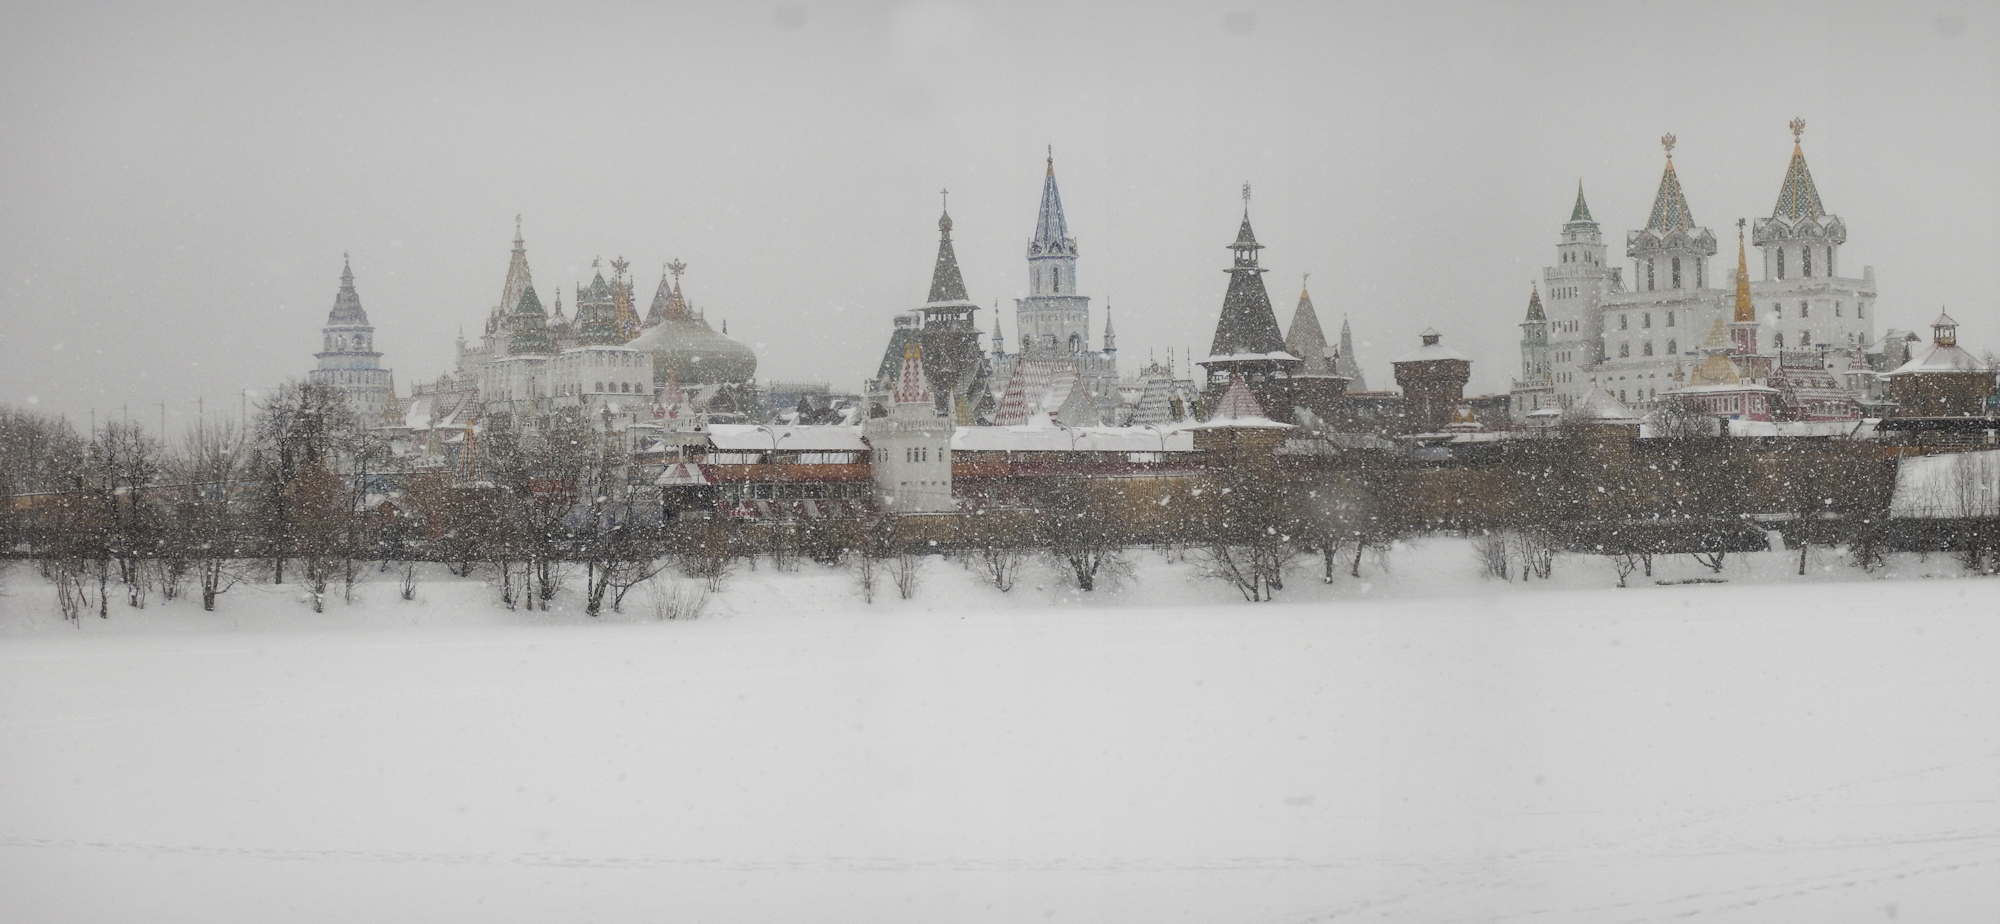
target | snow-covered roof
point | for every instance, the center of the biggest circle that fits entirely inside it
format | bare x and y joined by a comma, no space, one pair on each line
1941,358
1597,406
1430,351
1043,438
1247,357
751,438
1738,388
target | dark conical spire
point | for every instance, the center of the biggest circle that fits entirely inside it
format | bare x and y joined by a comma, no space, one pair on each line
1535,312
347,303
1581,212
1344,364
1306,339
947,285
1247,325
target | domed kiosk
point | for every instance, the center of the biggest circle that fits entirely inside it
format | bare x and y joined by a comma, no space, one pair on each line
684,346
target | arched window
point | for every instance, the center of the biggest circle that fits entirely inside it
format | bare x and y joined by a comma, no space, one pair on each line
1700,273
1781,263
1677,272
1670,317
1649,275
1647,349
597,386
1805,261
1673,347
1055,279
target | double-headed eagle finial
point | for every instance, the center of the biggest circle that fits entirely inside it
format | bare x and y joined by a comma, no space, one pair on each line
1798,128
675,268
1667,141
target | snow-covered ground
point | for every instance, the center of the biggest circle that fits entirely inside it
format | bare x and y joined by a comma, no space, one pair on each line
1420,745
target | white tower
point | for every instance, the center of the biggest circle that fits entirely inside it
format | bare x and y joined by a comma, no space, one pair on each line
347,358
910,448
1576,288
1802,300
1053,320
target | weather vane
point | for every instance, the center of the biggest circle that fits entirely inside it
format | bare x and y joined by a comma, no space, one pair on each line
676,268
1798,128
1246,195
1667,141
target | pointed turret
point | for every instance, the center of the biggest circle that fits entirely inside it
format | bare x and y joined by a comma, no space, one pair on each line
1581,212
1247,340
347,310
999,339
528,326
1306,339
1800,240
663,296
518,277
1670,205
1051,231
623,312
1535,312
1110,335
597,313
1671,251
1798,198
1247,327
947,284
1344,363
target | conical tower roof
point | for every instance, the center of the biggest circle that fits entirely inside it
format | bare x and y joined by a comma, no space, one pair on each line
1306,339
528,326
1051,231
1670,205
662,302
1535,312
1237,403
947,284
1798,198
1247,325
1344,363
518,277
1581,212
347,310
597,313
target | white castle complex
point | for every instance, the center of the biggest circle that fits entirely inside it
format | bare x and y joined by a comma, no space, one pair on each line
1638,339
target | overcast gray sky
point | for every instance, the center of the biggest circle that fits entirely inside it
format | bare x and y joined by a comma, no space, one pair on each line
180,180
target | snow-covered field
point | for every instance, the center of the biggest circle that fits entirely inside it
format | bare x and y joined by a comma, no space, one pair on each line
1421,745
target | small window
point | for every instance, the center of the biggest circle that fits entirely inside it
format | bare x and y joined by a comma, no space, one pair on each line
1860,309
1780,338
1672,348
1670,319
1649,275
1646,320
1624,322
1805,310
1647,348
1677,272
1805,261
1624,350
1837,309
1781,263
